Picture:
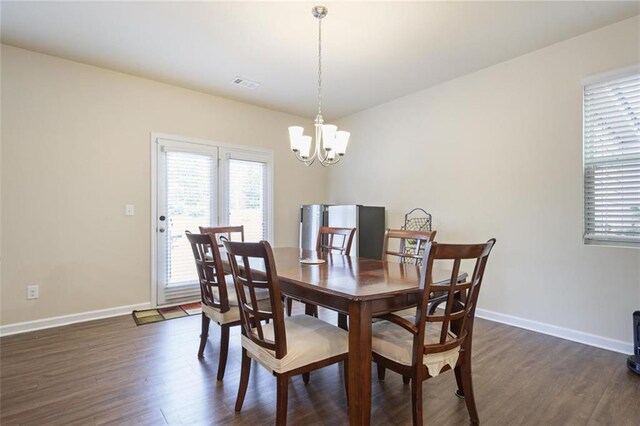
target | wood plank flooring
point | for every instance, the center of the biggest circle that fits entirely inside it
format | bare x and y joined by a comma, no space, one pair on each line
113,372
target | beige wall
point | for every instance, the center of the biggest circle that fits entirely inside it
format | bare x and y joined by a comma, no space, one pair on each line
498,154
76,149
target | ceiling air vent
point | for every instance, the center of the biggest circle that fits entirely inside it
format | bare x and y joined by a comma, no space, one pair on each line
243,82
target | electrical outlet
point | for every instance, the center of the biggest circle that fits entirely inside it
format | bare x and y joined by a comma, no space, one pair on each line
129,210
33,292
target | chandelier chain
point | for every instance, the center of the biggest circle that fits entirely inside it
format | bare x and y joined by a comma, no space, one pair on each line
320,66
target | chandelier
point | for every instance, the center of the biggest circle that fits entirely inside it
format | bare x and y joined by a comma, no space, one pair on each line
330,144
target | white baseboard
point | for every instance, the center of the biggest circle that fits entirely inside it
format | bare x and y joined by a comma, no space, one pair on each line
24,327
540,327
561,332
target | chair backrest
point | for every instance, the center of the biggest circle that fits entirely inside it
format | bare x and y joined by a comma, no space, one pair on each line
455,323
411,244
341,244
246,282
210,271
224,231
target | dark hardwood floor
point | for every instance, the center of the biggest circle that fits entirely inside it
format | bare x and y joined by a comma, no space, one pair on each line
113,372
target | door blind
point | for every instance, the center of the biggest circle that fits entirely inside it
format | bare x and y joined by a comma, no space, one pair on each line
247,201
189,200
612,160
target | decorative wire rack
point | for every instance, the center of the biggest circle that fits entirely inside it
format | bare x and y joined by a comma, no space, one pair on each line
416,220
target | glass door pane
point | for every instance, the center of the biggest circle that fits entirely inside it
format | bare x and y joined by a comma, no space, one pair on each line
187,200
247,204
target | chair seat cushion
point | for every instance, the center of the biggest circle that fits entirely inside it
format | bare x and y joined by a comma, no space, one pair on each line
395,343
233,314
309,340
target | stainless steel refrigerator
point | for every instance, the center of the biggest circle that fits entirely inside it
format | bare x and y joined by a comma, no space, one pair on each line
369,223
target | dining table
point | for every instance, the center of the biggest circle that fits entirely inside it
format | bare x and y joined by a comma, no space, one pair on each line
359,287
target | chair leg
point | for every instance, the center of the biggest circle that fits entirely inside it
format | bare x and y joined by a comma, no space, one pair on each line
458,373
311,310
406,379
305,377
244,379
345,372
416,401
289,306
381,372
467,389
343,321
224,350
204,334
282,396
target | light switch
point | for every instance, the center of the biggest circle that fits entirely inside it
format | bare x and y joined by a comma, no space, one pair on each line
129,210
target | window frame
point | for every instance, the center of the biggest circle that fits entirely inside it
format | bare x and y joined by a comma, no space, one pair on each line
595,79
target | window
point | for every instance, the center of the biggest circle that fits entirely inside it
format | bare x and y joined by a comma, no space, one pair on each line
247,192
611,135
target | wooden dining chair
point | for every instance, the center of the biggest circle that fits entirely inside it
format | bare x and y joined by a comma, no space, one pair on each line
410,250
284,346
335,240
217,294
403,239
232,233
410,244
329,240
427,344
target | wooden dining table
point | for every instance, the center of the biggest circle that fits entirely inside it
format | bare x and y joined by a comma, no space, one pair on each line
356,286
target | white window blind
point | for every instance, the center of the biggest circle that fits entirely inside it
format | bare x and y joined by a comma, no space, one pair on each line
247,197
612,160
190,194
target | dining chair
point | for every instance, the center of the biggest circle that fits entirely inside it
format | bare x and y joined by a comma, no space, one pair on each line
335,240
224,231
231,233
428,344
217,294
410,244
329,240
284,346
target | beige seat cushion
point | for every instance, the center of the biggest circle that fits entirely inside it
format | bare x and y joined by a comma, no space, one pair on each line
395,343
233,314
309,340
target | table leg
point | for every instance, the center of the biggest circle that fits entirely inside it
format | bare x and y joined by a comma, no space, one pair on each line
359,363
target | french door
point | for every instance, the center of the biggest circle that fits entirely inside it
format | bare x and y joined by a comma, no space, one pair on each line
199,183
187,198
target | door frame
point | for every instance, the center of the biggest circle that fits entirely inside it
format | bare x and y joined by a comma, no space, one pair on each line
265,154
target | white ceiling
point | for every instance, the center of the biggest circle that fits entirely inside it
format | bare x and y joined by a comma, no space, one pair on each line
373,52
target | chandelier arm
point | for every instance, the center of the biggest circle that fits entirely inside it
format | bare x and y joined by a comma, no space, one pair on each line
306,162
328,162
